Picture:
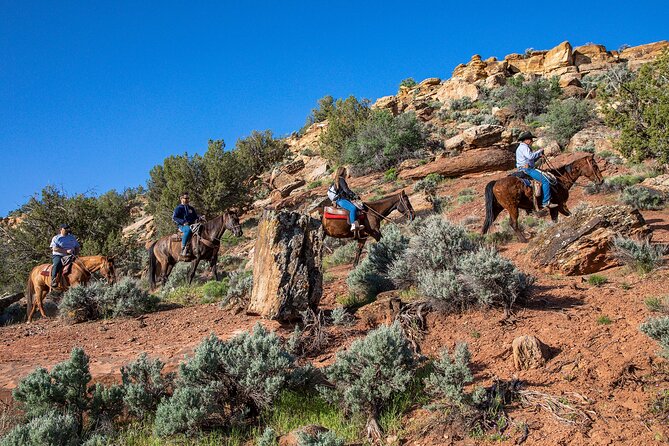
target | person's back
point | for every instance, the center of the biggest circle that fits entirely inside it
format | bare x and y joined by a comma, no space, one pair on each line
525,162
341,195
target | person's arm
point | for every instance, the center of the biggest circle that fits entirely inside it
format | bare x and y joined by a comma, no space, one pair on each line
536,154
56,248
77,247
344,189
195,216
176,216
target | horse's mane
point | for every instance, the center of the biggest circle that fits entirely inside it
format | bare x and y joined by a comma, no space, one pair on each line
381,200
563,168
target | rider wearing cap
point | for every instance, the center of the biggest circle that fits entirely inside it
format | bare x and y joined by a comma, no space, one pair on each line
62,245
525,160
184,215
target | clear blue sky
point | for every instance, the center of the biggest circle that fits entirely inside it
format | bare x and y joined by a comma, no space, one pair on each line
93,94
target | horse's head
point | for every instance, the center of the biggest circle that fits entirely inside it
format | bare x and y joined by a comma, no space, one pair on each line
232,223
404,206
590,169
107,269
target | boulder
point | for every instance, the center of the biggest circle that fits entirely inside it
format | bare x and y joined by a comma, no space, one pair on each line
503,114
387,103
639,55
472,161
659,183
550,146
315,168
285,183
9,299
572,91
142,230
591,53
533,64
582,243
558,57
484,135
494,66
429,82
456,142
495,81
528,353
293,167
287,266
473,71
570,79
456,89
598,136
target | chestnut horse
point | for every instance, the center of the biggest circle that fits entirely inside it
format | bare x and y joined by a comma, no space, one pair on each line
510,193
375,211
83,267
165,253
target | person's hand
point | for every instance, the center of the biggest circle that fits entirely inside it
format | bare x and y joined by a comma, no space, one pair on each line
69,251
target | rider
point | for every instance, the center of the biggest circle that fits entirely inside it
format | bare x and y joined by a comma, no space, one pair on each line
525,159
184,215
340,194
62,245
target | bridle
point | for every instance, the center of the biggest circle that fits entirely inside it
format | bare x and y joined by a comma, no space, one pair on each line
565,179
403,201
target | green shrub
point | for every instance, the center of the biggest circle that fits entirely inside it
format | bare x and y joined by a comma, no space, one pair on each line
80,303
657,304
466,196
390,175
639,107
344,119
428,184
641,256
526,98
383,141
340,316
658,329
326,106
214,291
226,381
409,82
179,276
144,385
314,184
124,298
49,429
597,280
449,377
604,320
239,291
640,197
320,439
566,117
367,375
342,255
614,184
453,272
370,276
268,438
464,103
260,150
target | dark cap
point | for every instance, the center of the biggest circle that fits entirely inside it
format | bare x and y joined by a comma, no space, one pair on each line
526,135
64,226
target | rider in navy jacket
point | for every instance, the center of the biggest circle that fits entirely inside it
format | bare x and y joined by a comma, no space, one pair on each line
185,215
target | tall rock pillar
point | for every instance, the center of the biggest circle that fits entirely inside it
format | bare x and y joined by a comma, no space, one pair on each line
287,266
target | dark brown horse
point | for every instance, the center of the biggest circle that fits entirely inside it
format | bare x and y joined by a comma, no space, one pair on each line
510,193
164,253
370,220
39,284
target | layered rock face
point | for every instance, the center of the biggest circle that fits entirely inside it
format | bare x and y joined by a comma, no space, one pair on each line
582,244
287,266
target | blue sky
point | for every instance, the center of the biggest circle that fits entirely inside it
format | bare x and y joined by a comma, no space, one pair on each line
94,94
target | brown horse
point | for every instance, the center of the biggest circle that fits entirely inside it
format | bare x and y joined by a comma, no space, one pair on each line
83,267
510,193
370,220
164,253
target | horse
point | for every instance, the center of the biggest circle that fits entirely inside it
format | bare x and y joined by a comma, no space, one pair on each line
510,193
375,211
164,253
38,284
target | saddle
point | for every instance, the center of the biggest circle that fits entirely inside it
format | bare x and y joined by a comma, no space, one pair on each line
536,186
67,261
337,213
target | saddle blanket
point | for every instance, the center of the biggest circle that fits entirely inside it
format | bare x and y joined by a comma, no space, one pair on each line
332,213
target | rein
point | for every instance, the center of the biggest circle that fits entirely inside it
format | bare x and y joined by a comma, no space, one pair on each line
378,214
563,177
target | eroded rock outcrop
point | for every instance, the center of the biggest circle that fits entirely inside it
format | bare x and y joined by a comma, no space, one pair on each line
470,161
582,243
287,266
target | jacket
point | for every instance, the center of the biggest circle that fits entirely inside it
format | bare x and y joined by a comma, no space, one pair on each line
184,214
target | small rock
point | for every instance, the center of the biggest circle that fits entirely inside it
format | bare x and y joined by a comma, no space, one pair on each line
528,353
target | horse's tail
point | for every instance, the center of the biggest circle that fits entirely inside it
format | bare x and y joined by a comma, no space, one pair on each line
30,290
153,264
490,202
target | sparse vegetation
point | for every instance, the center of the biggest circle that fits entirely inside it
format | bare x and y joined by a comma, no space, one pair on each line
604,320
658,329
527,99
341,255
566,117
409,82
597,280
641,256
645,198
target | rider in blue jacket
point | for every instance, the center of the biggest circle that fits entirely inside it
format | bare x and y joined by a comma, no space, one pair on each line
184,215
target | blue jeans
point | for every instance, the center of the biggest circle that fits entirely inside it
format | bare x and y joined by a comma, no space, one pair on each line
187,232
545,185
350,207
57,262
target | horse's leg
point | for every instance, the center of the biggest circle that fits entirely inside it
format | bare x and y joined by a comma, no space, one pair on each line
40,301
34,305
193,268
361,243
513,218
167,271
554,214
214,267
